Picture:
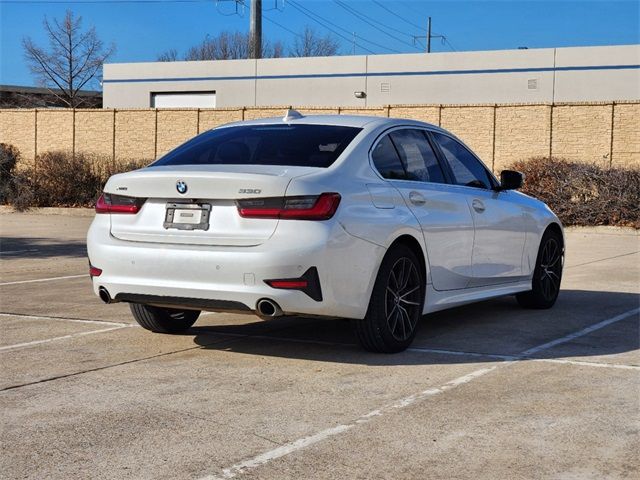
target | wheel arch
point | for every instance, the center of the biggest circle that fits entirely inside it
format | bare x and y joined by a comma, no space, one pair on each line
412,242
555,227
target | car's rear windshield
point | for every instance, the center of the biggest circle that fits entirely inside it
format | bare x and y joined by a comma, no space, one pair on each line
288,145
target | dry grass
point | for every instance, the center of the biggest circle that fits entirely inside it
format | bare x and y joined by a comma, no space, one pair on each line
584,194
580,194
9,158
60,179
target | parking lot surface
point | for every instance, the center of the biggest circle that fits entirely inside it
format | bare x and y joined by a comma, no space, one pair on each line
487,391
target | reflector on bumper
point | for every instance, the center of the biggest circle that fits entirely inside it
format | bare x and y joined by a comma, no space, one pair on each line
308,283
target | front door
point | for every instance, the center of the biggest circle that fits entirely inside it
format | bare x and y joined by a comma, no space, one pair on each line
499,223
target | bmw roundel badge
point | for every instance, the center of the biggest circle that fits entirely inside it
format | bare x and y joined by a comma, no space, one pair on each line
181,187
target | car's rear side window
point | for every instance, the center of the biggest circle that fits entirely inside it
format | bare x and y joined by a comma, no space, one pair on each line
288,145
418,157
406,154
386,159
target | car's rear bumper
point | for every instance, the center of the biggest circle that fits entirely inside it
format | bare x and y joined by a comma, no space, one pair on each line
210,277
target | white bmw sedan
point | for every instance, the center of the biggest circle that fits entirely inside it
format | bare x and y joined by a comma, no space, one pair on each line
373,219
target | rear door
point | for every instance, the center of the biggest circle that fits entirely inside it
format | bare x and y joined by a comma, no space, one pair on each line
406,158
499,222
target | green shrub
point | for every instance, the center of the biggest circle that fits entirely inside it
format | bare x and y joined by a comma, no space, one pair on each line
582,193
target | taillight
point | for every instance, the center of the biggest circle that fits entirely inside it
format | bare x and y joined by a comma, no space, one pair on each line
310,207
109,203
94,271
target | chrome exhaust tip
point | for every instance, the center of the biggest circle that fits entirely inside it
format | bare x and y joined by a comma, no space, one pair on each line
268,308
104,295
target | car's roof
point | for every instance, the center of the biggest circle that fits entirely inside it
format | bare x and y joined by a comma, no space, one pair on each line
359,121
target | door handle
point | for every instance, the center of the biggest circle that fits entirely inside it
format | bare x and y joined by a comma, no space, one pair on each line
417,198
478,206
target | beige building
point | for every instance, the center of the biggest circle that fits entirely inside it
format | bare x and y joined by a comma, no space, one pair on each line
576,74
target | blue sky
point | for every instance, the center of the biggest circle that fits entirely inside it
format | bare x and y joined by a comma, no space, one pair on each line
143,30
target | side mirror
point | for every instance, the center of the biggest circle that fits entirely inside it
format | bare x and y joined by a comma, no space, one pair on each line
511,180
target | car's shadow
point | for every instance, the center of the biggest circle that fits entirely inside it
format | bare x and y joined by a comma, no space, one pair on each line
496,328
12,248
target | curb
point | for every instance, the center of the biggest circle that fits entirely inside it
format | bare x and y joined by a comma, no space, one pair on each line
68,212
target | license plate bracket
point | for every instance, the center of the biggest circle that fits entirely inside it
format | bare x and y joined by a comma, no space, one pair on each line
187,216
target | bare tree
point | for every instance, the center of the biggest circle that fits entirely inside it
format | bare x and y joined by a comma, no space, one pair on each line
224,46
310,44
71,62
170,55
273,50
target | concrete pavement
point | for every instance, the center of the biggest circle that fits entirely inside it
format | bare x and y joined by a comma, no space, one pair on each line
86,393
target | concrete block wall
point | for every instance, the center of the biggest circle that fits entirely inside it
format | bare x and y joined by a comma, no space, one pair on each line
570,122
474,126
521,132
55,130
209,119
135,136
174,127
429,114
605,133
626,134
18,128
94,132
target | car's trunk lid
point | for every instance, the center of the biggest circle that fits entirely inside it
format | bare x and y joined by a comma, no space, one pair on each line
213,188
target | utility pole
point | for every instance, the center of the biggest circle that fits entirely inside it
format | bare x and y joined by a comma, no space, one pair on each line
255,32
428,36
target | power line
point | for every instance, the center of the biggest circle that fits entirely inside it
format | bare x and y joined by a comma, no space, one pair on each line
324,25
89,2
366,18
410,7
323,21
281,26
396,15
446,40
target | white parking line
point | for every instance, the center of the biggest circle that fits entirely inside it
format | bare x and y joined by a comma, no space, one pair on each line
579,333
54,339
301,443
44,279
589,364
462,354
291,447
62,319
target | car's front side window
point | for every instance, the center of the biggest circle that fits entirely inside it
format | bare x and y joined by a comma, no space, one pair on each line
466,168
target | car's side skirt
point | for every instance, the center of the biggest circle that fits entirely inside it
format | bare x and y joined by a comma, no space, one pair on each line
441,300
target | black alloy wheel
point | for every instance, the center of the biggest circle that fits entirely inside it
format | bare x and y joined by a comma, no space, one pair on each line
395,307
545,285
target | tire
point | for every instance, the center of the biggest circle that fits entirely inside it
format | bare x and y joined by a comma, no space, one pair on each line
395,307
163,320
547,275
